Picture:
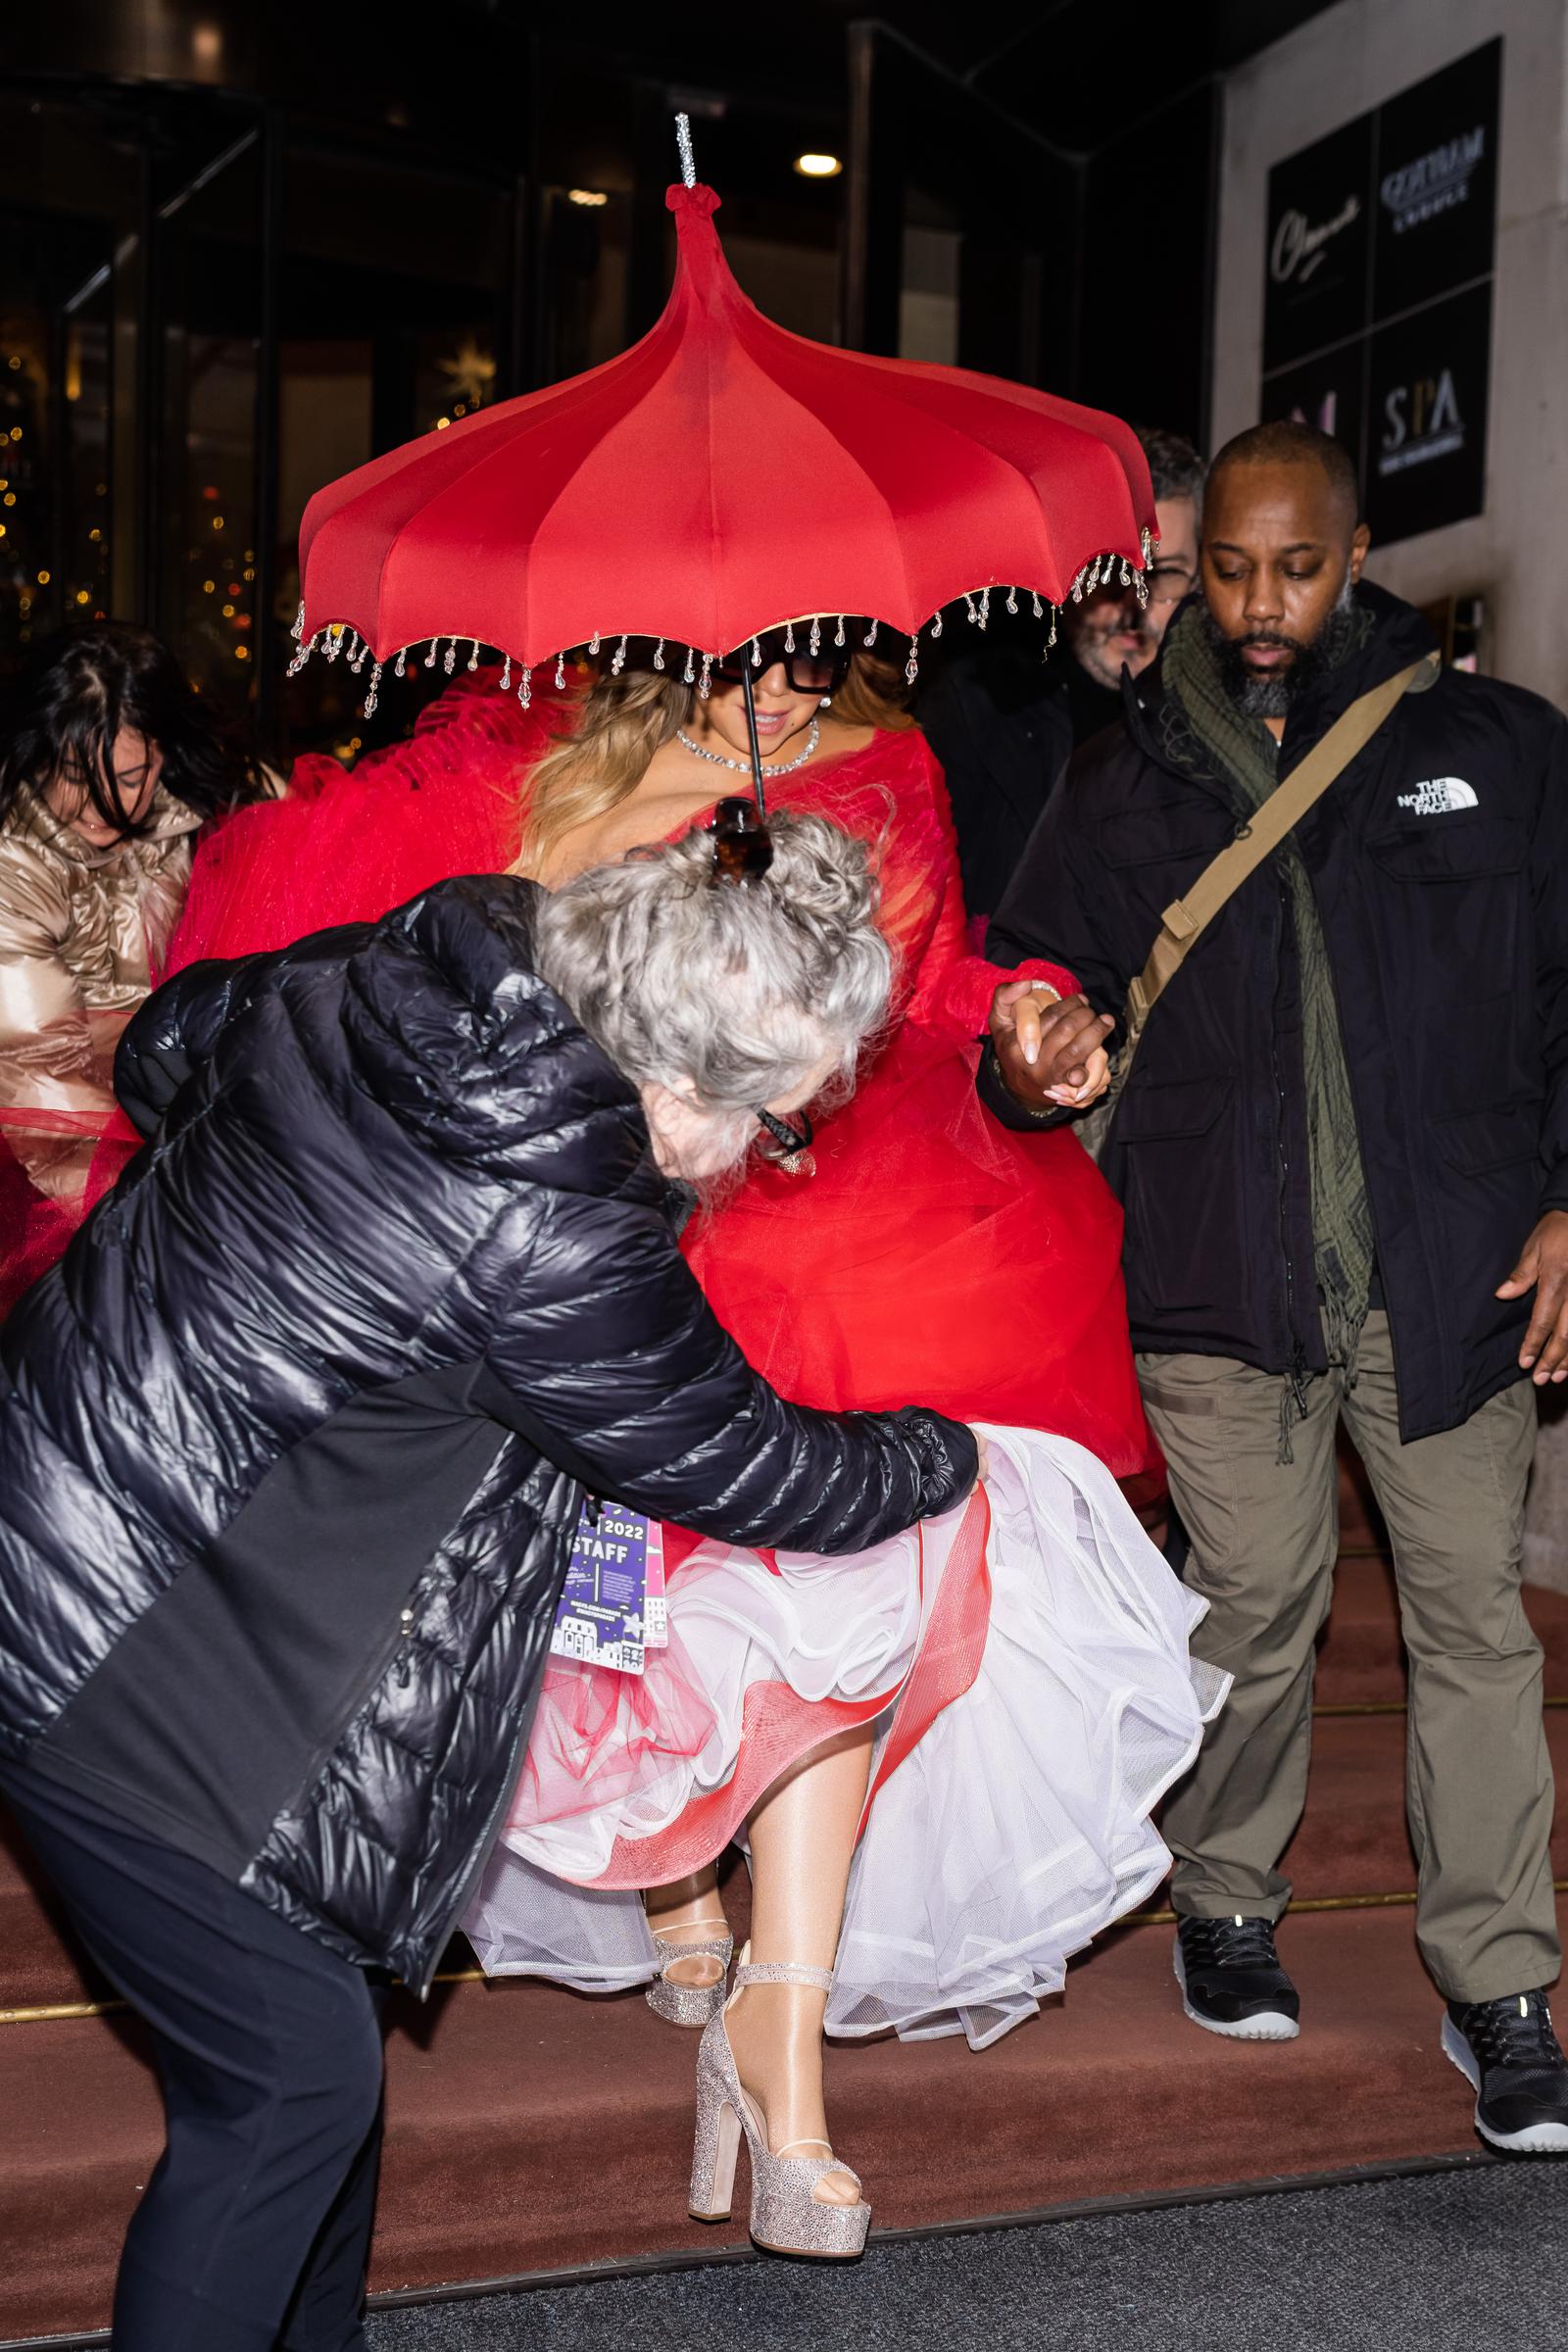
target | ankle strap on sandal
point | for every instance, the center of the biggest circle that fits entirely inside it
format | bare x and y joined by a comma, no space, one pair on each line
784,1972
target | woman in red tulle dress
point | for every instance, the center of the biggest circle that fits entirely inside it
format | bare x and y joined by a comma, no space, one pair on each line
966,1731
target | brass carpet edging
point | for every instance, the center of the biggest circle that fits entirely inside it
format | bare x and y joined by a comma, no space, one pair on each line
1307,1902
1365,1706
64,2010
68,2010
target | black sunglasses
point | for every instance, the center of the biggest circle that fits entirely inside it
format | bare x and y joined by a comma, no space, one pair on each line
790,1141
743,847
821,672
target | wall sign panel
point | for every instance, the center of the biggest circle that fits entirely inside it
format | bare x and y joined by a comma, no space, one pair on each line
1377,312
1437,184
1426,421
1329,391
1319,245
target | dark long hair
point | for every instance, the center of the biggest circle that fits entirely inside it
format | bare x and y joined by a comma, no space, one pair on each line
80,687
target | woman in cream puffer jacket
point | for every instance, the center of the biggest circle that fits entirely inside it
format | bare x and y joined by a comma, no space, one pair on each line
109,765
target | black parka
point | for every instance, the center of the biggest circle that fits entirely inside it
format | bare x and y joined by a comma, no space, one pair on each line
1440,865
292,1441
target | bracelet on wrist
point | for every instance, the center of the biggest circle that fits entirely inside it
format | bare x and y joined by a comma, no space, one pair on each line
1029,1112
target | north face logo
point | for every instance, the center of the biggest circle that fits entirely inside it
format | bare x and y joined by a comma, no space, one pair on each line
1438,796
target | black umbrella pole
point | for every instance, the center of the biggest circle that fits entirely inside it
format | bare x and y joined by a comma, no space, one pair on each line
757,748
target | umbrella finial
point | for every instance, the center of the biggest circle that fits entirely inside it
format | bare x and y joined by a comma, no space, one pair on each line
683,146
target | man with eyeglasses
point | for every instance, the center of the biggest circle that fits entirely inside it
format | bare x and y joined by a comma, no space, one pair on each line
1111,630
1004,727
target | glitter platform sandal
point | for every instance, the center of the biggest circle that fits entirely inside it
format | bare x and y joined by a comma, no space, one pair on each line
691,2004
786,2218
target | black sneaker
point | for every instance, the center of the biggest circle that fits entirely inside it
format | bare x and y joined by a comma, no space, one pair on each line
1232,1981
1509,2052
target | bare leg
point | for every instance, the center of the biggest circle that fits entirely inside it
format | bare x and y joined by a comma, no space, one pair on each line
803,1839
677,1910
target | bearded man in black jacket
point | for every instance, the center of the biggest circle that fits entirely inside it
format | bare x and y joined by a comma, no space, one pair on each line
1342,1150
292,1445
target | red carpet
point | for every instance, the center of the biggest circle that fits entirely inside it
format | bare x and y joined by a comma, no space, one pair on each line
500,2099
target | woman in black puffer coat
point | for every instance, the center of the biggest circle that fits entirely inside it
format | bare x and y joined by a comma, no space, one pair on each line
292,1445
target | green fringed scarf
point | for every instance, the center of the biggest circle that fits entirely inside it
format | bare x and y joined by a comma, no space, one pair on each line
1245,757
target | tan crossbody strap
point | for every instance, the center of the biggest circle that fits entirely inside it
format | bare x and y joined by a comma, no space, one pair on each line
1185,921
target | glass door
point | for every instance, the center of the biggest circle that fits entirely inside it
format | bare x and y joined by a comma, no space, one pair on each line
959,224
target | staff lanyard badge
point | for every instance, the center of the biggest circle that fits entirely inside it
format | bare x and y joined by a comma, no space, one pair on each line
613,1606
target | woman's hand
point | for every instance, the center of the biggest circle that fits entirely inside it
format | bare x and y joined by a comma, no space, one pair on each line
1051,1054
983,1447
1097,1077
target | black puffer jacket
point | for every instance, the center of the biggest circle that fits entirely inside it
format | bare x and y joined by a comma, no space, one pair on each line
292,1441
1440,864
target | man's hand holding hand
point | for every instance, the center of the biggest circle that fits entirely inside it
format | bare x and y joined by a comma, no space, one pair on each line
1051,1054
1544,1268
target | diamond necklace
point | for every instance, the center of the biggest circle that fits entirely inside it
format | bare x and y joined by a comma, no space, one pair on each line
743,767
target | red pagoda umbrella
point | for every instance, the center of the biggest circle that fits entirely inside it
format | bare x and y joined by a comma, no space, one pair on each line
720,478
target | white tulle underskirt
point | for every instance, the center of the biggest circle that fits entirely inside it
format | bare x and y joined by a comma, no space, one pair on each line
1015,1829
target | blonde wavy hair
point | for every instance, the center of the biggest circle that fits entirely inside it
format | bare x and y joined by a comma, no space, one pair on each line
601,755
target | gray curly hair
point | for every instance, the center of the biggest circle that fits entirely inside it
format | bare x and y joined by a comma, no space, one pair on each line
733,995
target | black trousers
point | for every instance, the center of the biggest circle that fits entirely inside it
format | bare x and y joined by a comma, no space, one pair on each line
253,2231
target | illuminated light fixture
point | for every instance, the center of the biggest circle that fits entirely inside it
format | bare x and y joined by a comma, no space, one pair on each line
592,197
818,166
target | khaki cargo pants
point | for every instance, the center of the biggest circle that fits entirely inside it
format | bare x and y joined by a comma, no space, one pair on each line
1264,1536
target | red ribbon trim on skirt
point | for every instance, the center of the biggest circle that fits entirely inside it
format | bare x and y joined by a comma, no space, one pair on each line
778,1726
